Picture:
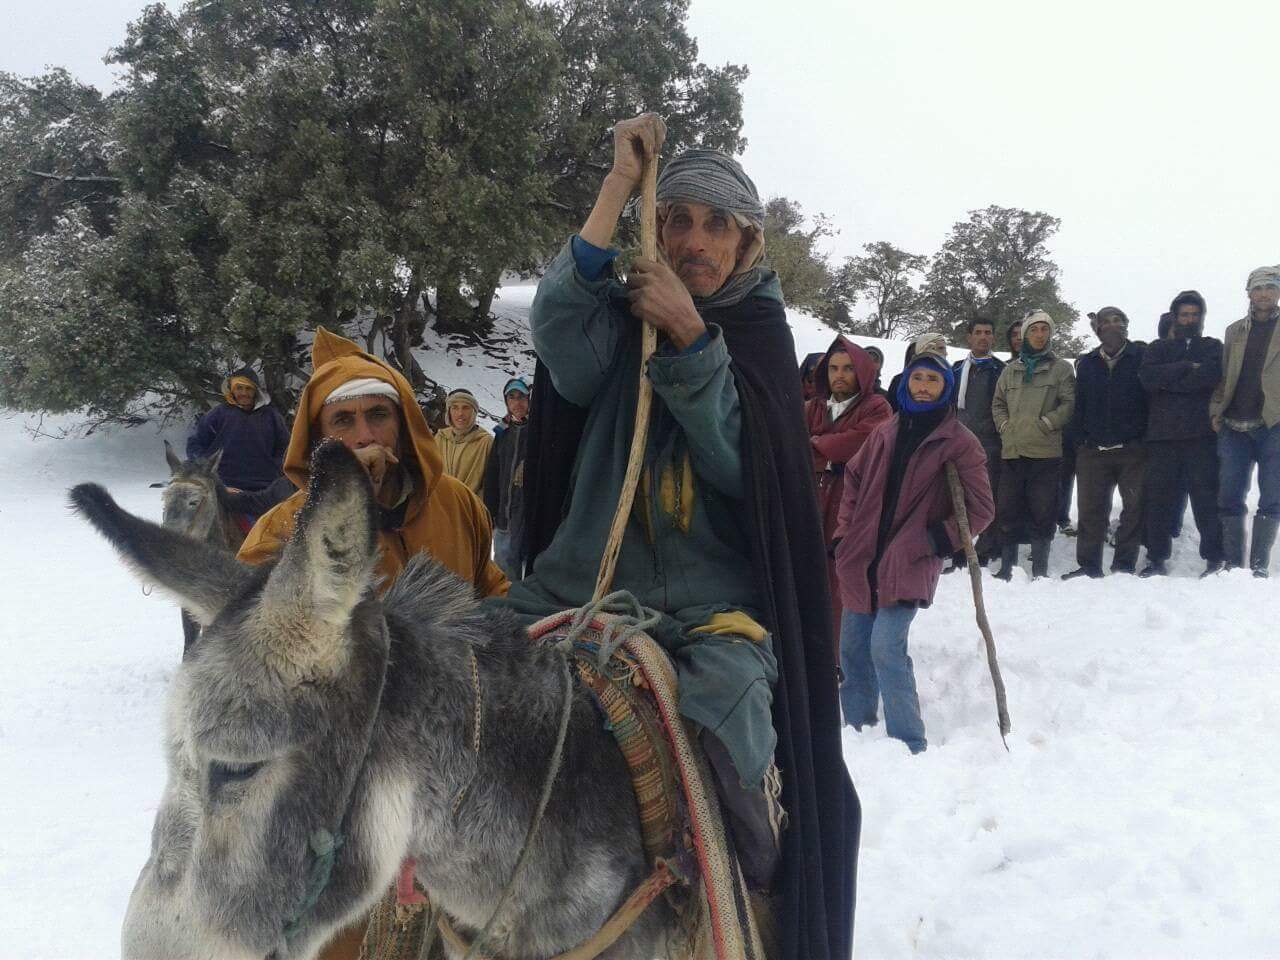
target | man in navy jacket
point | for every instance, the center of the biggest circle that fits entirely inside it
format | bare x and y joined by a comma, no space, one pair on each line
247,429
1109,423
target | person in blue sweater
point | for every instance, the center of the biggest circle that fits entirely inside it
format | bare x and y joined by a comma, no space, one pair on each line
248,430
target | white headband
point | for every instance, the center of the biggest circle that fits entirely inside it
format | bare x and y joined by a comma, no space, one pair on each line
362,387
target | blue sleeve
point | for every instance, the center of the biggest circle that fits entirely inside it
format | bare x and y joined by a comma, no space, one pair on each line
202,442
590,259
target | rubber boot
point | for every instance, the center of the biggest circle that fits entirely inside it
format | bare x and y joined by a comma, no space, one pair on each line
1040,558
1008,560
1233,542
1264,537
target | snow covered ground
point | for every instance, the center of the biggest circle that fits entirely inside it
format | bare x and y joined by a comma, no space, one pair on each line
1136,814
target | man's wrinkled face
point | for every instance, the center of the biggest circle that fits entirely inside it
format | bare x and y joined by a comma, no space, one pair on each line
1015,338
702,245
926,384
244,394
1264,298
841,377
518,405
361,422
1038,336
981,337
1188,320
462,416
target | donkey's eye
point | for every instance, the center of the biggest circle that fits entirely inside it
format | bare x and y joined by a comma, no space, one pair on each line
193,503
222,774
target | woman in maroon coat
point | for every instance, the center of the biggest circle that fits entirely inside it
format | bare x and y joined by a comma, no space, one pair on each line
895,527
843,412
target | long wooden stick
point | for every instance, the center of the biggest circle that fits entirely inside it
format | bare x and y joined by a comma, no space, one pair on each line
980,608
644,398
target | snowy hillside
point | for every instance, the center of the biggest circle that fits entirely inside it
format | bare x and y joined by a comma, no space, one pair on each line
1135,816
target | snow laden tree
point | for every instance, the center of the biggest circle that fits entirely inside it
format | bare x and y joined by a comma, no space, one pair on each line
266,167
997,265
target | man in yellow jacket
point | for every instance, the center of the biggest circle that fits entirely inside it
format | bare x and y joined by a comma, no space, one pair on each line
464,444
360,400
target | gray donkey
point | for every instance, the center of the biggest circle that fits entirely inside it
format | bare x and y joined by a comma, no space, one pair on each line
318,735
195,504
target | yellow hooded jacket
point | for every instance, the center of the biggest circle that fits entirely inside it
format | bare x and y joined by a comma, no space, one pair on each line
443,517
465,454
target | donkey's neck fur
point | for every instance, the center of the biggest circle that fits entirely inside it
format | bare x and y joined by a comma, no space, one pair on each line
470,810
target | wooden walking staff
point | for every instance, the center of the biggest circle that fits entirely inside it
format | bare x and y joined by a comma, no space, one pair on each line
980,609
644,398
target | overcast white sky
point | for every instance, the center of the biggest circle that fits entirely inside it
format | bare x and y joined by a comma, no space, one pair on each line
1152,130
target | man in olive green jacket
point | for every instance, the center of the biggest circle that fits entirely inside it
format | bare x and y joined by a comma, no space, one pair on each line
1034,401
1245,411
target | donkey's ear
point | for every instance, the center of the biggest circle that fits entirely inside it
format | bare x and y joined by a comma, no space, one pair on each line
330,561
211,463
174,461
203,578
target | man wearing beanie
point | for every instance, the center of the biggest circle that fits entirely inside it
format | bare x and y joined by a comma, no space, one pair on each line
464,444
1110,420
1180,372
896,525
504,479
1034,402
1246,414
724,540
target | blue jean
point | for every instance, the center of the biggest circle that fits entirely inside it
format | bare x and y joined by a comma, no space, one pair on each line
1238,451
873,656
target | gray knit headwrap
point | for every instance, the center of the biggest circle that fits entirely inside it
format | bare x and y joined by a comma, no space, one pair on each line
718,180
1262,277
711,177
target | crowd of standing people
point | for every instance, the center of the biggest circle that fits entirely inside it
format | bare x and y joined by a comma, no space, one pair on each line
1184,418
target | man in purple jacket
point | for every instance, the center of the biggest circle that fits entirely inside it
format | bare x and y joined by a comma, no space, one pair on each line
248,430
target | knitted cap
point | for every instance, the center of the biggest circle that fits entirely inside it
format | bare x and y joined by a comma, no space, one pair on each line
1265,277
462,395
1038,316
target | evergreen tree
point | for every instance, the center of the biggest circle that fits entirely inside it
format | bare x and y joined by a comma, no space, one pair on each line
997,264
268,166
886,277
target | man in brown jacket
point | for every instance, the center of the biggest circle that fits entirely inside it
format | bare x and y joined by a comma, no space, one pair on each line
1245,411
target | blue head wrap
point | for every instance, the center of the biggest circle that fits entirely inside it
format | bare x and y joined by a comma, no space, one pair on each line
905,400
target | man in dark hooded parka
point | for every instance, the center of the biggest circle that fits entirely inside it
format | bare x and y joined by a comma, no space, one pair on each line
725,538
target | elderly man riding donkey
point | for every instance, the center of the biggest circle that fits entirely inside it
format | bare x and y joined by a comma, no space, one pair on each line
329,735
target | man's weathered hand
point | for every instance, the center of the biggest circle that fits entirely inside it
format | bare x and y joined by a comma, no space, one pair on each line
376,459
659,297
633,141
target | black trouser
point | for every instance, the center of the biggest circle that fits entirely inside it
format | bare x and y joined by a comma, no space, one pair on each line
1175,467
1099,473
1028,500
1066,479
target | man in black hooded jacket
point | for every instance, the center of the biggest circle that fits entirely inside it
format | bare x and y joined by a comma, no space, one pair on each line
1179,375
